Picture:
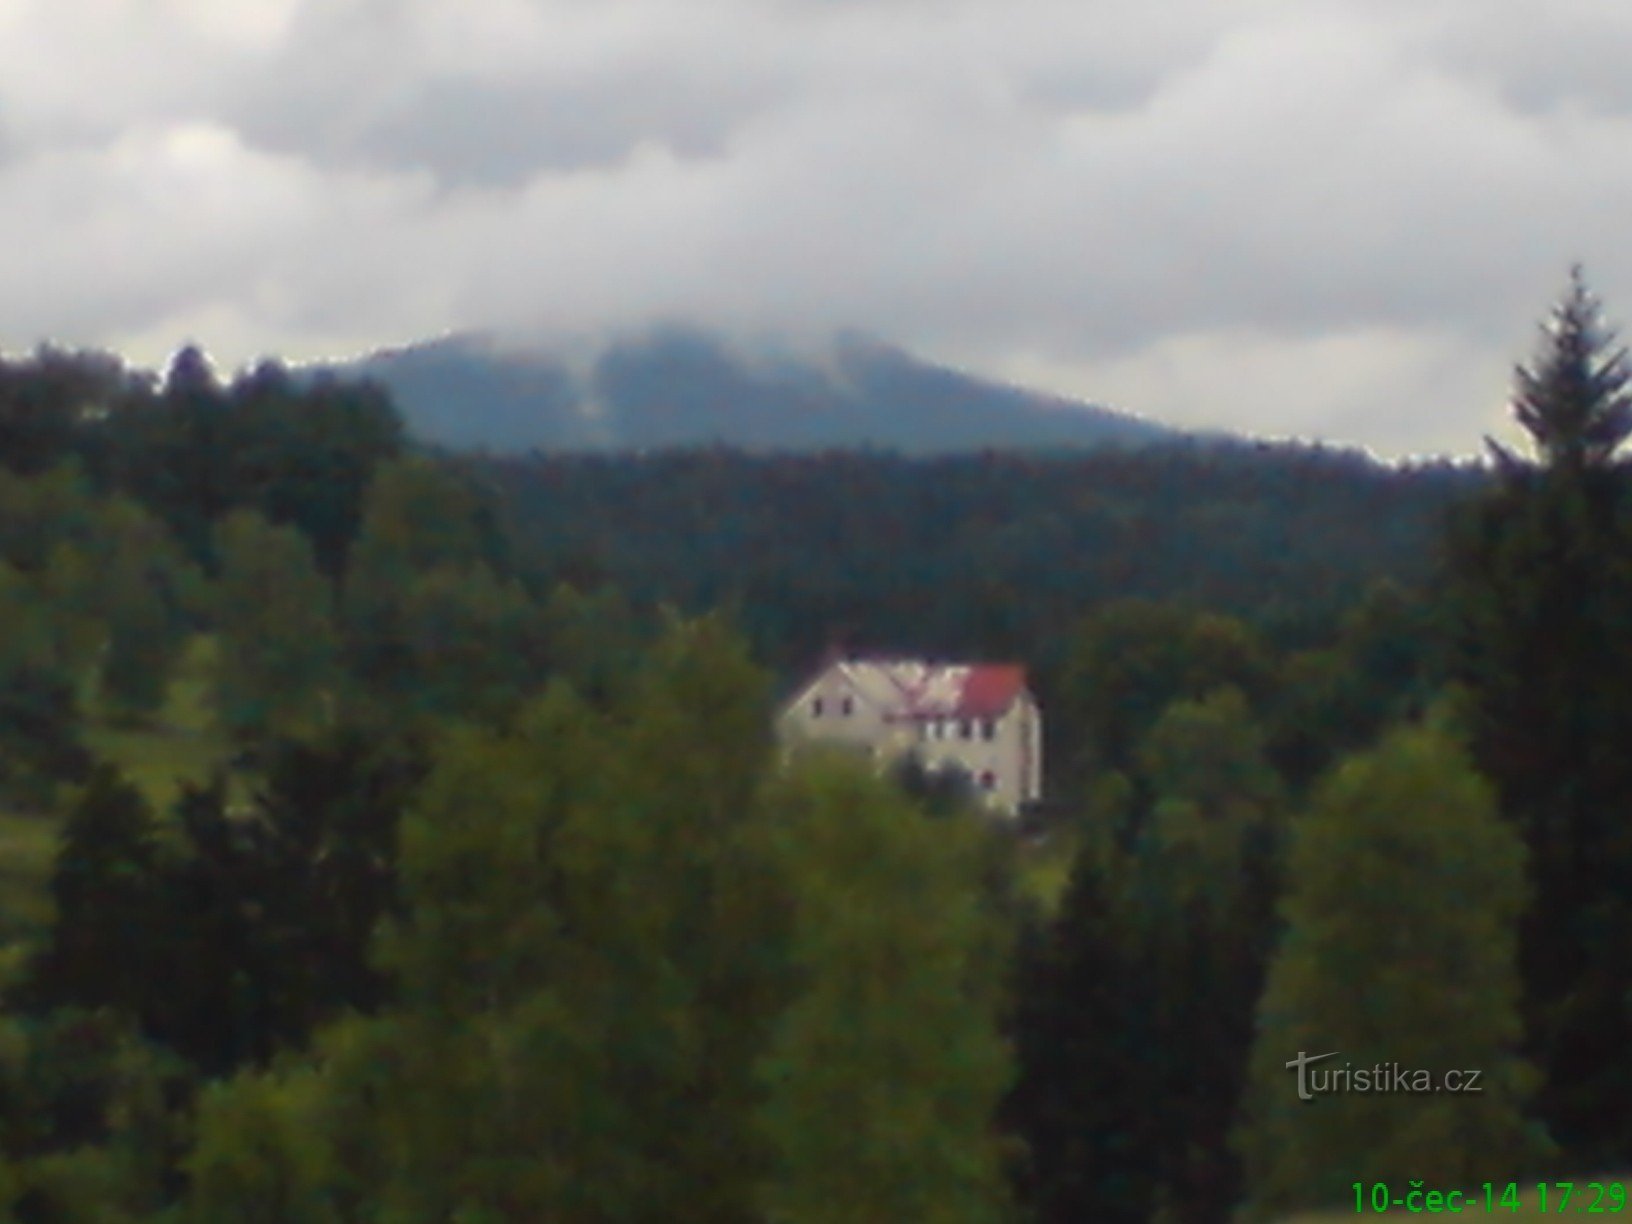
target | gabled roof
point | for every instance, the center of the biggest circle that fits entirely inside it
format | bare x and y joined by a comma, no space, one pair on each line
912,689
990,689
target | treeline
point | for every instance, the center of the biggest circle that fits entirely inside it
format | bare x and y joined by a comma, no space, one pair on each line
994,555
189,449
334,570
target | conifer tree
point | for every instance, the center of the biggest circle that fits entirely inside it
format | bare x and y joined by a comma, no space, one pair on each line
1541,598
1572,399
1084,1101
1205,874
1135,1008
106,888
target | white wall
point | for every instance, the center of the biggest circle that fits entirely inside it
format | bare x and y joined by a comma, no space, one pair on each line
1016,772
1013,756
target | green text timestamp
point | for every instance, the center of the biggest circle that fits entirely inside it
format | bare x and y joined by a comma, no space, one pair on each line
1542,1198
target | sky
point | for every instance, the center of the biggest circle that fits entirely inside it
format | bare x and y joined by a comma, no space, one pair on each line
1336,219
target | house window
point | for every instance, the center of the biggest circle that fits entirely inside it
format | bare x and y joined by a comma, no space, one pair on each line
847,707
988,729
965,729
988,780
816,708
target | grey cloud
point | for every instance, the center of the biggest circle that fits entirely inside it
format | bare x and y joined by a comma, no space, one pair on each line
1284,216
366,84
1074,91
1544,58
468,132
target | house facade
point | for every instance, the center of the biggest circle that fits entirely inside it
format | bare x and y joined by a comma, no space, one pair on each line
978,717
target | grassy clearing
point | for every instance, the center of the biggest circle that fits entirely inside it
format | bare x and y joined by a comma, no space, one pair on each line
159,762
177,746
1045,868
28,844
187,705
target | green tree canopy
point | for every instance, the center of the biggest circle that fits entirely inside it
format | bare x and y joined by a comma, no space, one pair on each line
883,1076
278,654
1404,889
1132,657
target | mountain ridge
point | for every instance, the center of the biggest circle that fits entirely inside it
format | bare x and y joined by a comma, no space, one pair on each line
677,386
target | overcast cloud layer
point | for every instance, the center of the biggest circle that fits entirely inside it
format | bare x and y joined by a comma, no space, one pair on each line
1337,219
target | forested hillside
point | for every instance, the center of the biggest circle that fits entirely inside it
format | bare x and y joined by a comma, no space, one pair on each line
990,553
390,836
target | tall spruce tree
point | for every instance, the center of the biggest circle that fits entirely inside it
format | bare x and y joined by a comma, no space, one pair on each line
1135,1008
105,886
1204,875
1541,600
1572,399
1084,1103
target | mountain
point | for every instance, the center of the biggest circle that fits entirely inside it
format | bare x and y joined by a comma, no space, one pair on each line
684,387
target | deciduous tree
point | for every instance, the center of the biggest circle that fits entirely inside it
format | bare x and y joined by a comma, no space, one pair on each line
1403,897
278,653
883,1075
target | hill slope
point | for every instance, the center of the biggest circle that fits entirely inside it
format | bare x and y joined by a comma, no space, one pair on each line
683,387
997,554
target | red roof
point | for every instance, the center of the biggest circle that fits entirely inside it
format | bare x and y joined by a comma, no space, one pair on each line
990,689
913,690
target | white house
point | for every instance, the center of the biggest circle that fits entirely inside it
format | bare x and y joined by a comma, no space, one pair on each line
980,717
